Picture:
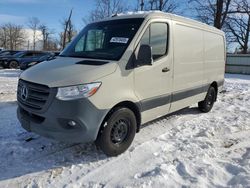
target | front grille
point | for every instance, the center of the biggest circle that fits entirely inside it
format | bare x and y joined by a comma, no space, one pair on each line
38,96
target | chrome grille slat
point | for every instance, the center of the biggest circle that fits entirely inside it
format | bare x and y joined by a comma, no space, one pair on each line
38,90
28,104
37,98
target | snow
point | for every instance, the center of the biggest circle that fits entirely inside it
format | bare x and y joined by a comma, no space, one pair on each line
183,149
138,12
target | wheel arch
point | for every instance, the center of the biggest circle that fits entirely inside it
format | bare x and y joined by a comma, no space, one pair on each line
135,108
9,61
215,86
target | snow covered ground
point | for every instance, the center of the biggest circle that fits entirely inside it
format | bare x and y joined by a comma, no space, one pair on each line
187,148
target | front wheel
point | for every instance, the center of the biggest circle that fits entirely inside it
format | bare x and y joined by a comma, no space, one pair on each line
207,104
118,132
13,64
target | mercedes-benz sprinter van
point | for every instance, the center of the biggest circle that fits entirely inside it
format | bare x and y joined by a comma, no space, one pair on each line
119,73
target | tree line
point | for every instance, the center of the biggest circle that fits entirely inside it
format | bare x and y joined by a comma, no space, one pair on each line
231,16
14,36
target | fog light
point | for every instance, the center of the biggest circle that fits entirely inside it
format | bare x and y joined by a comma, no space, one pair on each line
72,123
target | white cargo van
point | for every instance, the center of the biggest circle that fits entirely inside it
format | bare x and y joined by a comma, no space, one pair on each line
120,73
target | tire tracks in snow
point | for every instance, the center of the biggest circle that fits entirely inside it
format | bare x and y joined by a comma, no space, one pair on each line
142,152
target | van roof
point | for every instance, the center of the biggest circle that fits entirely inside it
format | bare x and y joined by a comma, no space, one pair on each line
160,14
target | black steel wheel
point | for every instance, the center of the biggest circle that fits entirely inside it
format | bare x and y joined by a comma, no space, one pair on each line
207,104
118,132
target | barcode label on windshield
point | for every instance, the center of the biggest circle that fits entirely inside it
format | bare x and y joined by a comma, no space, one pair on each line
119,40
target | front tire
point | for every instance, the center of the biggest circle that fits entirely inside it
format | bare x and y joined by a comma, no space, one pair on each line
207,104
118,132
13,65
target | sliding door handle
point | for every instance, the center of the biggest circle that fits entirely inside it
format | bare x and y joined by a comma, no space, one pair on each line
165,69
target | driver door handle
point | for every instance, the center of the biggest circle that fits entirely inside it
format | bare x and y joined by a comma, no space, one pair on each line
166,69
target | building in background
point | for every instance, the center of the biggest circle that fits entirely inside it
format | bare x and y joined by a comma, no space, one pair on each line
28,44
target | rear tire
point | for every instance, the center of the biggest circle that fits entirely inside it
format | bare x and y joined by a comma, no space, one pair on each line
118,132
13,65
207,104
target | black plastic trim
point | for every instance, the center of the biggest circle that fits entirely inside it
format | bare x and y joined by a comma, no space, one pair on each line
157,101
90,62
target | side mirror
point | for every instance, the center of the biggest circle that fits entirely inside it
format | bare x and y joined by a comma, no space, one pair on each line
144,56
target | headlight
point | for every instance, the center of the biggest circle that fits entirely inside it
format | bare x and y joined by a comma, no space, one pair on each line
78,91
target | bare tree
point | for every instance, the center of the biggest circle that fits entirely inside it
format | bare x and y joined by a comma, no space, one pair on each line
212,12
215,12
12,36
106,8
221,12
68,33
52,44
168,5
33,24
142,5
162,5
230,15
46,33
3,36
68,27
71,31
238,26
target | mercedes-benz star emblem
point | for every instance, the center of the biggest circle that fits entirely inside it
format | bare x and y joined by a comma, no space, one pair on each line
24,93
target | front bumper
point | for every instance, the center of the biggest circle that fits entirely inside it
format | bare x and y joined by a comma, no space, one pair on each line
54,122
3,63
24,66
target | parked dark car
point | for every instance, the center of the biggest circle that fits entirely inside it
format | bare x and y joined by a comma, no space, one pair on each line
6,54
22,57
45,57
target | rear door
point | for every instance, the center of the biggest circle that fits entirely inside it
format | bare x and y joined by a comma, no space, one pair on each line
153,83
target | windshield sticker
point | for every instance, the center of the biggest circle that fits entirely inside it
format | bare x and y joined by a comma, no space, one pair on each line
119,40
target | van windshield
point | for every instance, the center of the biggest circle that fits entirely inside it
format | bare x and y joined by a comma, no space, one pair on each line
104,40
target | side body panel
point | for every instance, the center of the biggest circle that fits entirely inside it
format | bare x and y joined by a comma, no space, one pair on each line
188,82
199,60
214,58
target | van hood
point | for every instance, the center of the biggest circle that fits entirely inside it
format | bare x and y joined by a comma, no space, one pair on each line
66,71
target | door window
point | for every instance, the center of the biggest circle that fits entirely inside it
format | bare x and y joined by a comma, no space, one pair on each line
29,54
156,36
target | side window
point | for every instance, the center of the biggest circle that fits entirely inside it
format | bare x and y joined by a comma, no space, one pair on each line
158,39
156,36
36,54
80,45
145,38
29,54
